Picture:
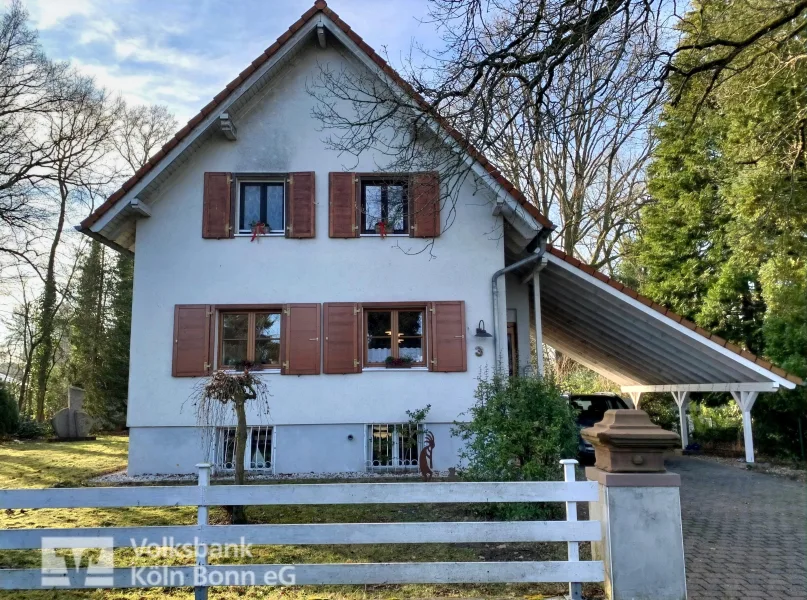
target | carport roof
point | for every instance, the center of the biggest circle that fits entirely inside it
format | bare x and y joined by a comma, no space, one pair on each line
632,340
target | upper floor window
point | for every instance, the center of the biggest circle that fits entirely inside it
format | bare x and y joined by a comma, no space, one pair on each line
384,206
262,202
250,336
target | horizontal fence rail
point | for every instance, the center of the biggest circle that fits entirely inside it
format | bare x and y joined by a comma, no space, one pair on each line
321,493
202,535
337,533
325,574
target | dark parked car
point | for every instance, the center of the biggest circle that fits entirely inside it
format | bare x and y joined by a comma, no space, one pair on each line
590,409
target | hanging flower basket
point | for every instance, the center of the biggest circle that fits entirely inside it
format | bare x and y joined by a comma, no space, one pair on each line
258,229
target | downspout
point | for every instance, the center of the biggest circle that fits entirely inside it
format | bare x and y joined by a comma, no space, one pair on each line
494,284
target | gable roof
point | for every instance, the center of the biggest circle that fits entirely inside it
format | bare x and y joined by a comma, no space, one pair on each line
320,7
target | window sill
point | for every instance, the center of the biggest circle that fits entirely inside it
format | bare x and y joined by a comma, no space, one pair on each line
394,370
263,235
378,235
256,371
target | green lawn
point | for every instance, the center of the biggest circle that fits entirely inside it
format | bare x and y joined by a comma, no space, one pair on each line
39,464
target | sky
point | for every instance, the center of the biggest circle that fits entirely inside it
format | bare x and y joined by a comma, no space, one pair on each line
181,53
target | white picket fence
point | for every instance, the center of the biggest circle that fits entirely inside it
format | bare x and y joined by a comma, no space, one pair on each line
204,495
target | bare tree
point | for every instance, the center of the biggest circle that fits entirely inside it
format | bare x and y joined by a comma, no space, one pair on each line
80,128
583,164
142,130
555,66
29,90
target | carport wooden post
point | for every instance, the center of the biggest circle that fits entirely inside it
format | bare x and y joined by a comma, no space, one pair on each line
682,400
636,397
746,401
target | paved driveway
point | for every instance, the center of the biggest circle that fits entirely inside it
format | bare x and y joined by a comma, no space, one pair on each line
745,533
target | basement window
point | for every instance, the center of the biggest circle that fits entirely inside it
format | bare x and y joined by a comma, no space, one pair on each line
258,454
393,446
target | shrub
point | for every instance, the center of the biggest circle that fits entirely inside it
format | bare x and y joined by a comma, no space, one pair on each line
29,429
661,409
519,429
9,416
719,424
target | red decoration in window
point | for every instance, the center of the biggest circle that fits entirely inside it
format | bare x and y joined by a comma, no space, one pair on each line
258,228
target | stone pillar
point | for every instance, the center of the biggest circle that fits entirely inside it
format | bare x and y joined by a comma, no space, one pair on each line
639,508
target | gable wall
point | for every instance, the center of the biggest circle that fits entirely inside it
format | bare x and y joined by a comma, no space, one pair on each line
174,265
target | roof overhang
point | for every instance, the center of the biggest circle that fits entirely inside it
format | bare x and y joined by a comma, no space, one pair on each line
638,344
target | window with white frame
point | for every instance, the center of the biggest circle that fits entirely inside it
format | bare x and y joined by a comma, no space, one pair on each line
262,205
394,446
258,454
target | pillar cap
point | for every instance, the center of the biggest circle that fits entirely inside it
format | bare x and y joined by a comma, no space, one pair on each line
627,441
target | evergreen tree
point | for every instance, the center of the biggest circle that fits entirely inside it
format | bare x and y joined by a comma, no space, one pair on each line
88,329
724,241
116,366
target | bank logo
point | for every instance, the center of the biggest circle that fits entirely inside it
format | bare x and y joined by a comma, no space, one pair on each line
99,562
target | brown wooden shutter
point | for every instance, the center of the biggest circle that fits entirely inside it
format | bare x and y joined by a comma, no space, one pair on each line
217,208
299,339
424,206
342,209
192,340
448,336
301,207
342,332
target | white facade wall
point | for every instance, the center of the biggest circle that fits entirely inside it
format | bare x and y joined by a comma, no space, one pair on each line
174,265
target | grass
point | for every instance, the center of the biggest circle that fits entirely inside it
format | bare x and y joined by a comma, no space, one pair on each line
39,464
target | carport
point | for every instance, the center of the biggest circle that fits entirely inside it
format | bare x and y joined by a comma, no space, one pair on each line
641,345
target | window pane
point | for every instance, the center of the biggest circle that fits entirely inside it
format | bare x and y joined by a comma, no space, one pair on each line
372,206
411,347
410,322
234,353
379,323
396,207
275,206
267,352
267,325
260,456
235,327
250,206
378,349
226,449
382,444
407,445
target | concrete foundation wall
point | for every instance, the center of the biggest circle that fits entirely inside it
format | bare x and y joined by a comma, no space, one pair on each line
298,448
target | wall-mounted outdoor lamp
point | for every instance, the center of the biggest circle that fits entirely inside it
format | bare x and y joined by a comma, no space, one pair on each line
480,330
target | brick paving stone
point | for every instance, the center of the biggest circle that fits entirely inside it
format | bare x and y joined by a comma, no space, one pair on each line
744,532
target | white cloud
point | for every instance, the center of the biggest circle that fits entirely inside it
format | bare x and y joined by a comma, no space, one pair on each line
49,13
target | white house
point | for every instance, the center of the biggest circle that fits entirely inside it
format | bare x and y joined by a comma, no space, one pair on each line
324,296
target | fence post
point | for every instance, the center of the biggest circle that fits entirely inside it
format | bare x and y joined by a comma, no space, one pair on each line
639,508
200,592
575,588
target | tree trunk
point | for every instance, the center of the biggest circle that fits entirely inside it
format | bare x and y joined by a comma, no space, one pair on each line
49,313
239,515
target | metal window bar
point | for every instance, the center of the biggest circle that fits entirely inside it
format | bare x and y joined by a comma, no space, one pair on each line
393,447
258,455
